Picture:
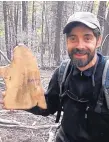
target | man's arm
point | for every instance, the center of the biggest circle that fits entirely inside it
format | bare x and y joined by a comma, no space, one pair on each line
51,96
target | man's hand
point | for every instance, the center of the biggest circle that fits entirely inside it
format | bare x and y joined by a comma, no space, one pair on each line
2,104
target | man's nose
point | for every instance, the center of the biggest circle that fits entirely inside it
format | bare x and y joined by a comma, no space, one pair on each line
80,44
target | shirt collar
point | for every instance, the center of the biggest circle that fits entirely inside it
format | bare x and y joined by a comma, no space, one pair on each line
87,72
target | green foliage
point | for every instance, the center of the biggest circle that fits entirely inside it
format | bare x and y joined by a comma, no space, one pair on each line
95,6
107,4
39,30
2,33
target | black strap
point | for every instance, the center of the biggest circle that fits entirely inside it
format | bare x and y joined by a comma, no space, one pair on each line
59,113
99,102
61,79
105,82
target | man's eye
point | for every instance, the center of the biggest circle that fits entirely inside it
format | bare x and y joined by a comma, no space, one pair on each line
88,39
73,39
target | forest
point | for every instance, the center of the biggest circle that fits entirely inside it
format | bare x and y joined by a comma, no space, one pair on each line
39,25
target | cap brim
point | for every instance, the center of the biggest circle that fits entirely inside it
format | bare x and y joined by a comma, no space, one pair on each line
90,25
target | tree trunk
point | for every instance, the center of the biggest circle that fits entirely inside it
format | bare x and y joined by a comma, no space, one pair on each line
102,13
105,48
16,20
33,16
5,13
25,20
57,33
7,31
90,6
42,35
12,26
33,26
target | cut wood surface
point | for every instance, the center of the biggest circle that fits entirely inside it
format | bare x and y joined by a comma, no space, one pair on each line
22,78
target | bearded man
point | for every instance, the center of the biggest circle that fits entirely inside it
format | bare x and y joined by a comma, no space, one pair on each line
82,88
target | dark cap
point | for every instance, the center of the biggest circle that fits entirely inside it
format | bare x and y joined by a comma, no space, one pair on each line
87,18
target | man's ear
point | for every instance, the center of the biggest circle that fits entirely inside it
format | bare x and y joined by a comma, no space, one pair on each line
99,40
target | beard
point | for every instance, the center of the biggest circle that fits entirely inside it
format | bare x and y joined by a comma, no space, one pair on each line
81,62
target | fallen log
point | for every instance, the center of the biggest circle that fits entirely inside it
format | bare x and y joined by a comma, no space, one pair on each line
28,127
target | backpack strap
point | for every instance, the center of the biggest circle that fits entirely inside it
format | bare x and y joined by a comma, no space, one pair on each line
61,79
62,73
105,82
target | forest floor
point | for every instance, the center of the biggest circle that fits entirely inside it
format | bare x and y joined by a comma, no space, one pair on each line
21,126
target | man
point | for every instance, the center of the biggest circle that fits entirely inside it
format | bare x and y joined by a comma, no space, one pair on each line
82,121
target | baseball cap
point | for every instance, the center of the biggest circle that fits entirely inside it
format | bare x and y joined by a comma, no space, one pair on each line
87,18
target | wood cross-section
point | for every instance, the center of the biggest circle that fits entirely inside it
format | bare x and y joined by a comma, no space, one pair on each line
22,79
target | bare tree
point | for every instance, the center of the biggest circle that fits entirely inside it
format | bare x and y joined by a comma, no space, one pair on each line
25,19
105,46
58,30
42,36
16,19
5,13
90,6
102,12
33,27
12,28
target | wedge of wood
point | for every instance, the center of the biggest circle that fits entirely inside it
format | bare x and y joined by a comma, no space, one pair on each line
22,79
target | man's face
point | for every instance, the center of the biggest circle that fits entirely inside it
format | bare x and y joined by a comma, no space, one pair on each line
81,45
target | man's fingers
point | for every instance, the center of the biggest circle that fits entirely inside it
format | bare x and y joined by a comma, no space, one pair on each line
1,102
3,107
11,110
3,93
